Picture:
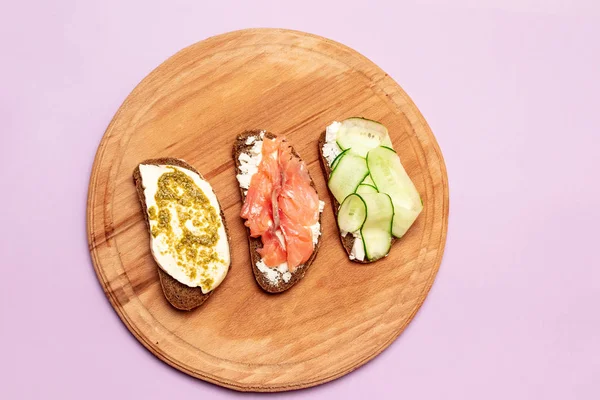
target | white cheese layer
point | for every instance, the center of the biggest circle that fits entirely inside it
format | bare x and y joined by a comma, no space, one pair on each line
275,274
249,163
315,229
358,248
207,276
330,148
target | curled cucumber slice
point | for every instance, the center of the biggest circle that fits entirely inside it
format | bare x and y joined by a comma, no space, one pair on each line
364,189
352,213
361,135
368,181
376,231
389,176
337,159
348,173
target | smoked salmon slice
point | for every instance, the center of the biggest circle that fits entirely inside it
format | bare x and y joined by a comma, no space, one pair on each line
258,207
273,253
281,205
298,199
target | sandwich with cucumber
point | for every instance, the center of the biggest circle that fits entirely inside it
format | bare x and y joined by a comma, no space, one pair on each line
373,198
188,235
281,209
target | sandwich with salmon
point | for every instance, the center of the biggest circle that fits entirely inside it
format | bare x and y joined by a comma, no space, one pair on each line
281,209
189,240
373,198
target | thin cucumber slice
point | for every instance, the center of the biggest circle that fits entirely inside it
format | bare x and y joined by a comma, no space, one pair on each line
365,189
361,135
403,220
376,231
352,213
347,175
368,181
389,176
337,158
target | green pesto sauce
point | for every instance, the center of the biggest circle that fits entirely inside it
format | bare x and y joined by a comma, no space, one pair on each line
193,249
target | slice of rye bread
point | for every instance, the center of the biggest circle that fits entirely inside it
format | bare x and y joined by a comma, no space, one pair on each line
179,295
240,147
348,240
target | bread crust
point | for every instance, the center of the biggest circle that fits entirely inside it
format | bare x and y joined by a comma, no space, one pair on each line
254,244
179,295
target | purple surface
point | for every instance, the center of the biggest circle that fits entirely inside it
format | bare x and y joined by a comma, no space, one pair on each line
511,92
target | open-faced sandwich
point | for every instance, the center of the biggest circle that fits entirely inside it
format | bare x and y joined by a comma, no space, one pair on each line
281,209
372,196
188,235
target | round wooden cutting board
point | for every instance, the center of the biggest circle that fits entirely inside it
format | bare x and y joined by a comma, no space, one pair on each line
192,106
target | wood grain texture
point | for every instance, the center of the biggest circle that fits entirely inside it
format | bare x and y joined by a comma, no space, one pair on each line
192,107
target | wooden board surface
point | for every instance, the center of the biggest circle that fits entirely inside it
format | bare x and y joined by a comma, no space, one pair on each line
192,106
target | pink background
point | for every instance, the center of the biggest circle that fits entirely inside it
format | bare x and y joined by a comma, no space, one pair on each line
510,89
